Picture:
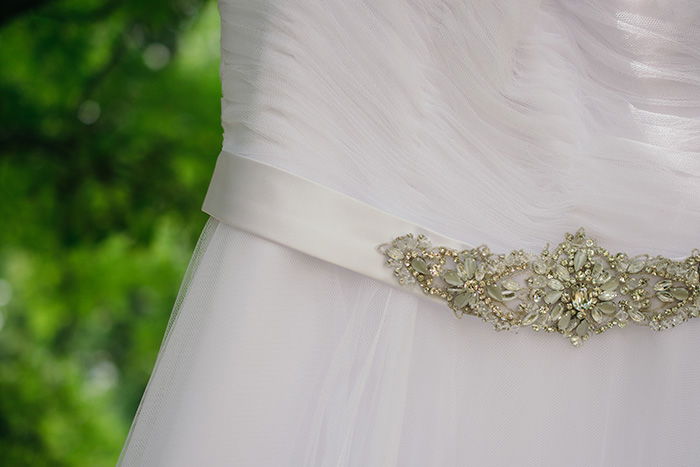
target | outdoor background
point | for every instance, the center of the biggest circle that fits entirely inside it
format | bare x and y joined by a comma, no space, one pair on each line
109,130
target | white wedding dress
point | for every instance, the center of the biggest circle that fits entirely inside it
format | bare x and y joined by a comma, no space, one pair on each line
497,122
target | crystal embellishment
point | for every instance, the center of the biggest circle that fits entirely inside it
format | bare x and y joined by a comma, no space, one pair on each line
577,289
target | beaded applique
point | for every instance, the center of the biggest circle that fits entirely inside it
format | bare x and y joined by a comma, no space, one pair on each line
578,289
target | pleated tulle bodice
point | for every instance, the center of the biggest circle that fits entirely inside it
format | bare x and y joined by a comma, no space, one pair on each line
507,122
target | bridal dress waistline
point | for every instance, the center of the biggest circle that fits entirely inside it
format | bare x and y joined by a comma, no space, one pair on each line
576,289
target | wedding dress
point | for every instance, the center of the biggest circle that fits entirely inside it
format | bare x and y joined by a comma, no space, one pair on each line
306,332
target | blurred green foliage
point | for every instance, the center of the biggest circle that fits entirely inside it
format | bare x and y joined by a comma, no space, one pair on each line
109,129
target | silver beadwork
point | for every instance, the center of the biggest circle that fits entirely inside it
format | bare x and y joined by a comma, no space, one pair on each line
577,289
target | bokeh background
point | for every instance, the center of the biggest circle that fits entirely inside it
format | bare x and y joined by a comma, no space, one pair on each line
109,130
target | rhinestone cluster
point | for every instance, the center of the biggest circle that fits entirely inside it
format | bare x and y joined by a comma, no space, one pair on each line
577,289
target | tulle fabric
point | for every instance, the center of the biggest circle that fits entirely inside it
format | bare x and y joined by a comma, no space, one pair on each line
274,358
497,122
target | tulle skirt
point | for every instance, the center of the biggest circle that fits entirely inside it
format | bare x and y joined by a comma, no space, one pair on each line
275,358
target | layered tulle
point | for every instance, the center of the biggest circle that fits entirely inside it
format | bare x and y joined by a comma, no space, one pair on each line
493,122
275,358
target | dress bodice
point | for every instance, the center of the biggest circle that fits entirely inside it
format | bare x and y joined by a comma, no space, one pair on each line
506,122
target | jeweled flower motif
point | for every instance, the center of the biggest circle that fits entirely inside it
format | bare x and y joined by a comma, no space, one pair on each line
577,289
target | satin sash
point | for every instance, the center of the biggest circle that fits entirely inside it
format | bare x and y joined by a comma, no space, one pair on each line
307,216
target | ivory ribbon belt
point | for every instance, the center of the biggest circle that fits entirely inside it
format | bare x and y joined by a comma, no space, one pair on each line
578,289
304,215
